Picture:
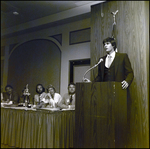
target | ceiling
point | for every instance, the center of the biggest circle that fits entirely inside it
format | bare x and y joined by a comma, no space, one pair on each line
29,11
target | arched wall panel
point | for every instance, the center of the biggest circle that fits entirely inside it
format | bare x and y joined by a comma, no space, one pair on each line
33,62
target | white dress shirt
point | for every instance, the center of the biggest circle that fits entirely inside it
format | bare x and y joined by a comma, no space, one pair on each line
112,58
39,98
53,101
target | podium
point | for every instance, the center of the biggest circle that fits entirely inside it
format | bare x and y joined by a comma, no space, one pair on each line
100,115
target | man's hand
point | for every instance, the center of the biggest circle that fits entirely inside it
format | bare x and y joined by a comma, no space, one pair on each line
124,84
86,80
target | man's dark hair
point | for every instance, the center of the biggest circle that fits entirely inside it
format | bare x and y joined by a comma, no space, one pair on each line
8,86
42,87
71,83
111,40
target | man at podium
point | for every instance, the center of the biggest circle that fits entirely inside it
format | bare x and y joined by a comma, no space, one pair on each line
110,109
114,66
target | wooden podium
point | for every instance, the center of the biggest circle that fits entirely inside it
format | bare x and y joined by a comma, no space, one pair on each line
100,115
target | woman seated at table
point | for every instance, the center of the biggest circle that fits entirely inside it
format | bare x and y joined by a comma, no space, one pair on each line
39,98
52,97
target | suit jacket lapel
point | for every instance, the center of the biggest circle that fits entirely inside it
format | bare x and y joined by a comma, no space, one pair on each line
116,60
103,66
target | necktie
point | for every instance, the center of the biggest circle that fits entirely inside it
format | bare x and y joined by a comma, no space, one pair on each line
109,60
71,99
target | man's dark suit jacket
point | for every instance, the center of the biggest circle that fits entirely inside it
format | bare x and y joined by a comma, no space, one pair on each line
15,97
123,69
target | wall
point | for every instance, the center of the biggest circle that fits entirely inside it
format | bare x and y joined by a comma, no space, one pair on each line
68,52
132,34
32,63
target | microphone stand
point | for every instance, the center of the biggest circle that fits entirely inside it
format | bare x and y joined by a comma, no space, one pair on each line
92,68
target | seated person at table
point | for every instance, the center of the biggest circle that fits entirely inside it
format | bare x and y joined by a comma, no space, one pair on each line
68,98
52,97
10,96
39,98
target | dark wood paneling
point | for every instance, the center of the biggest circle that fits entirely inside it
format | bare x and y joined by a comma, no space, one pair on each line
101,115
131,36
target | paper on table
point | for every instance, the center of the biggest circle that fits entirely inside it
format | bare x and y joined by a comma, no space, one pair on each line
8,105
5,103
51,109
67,109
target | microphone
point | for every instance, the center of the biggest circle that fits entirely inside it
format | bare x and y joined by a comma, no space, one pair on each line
92,68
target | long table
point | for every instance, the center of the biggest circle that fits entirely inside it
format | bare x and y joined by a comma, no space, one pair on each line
26,128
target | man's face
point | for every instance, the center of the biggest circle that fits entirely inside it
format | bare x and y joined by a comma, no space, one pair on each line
71,89
108,47
39,89
9,90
